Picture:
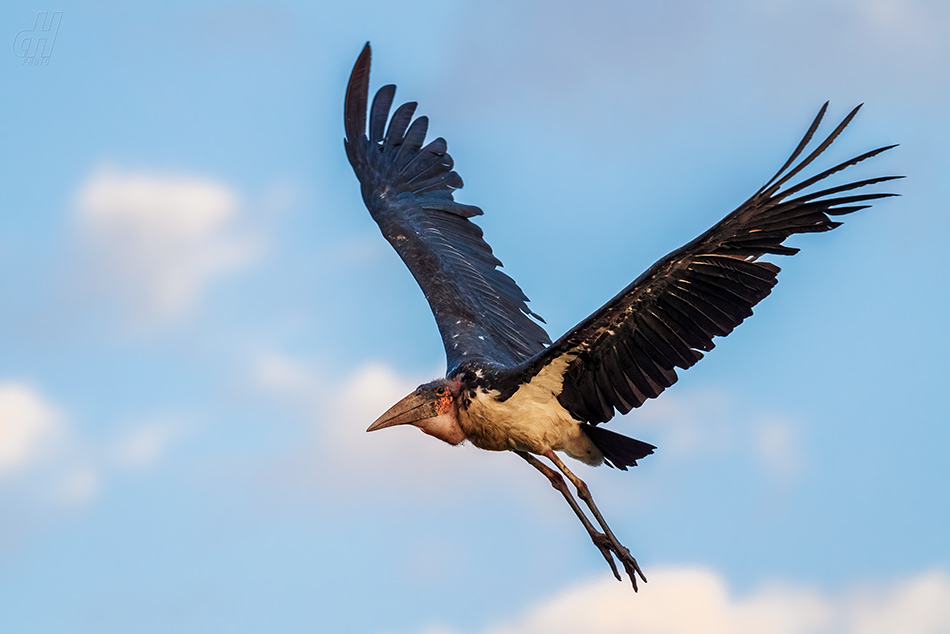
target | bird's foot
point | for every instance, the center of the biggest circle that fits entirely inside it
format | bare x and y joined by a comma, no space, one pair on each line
611,548
603,545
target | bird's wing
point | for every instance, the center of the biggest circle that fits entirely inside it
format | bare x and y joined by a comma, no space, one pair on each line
628,350
407,187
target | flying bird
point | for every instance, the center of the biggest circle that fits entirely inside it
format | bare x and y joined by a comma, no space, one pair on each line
507,386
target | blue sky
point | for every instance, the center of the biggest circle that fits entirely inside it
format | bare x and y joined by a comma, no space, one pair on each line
198,319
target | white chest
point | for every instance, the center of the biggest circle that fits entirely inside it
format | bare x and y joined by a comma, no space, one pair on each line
530,420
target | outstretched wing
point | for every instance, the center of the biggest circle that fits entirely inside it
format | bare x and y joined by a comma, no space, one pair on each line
628,350
480,311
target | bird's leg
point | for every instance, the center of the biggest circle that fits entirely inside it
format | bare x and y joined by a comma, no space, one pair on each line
600,540
623,554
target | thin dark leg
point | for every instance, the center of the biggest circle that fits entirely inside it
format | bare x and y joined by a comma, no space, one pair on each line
600,540
629,563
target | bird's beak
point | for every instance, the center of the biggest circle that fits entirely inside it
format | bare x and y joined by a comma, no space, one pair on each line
412,409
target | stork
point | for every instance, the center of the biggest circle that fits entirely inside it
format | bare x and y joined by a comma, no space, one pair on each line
508,387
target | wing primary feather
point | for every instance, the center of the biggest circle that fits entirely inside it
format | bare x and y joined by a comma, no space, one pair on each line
432,154
818,150
775,209
411,143
399,123
357,90
382,102
802,144
837,168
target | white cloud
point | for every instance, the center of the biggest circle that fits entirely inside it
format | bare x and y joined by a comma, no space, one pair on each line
612,40
917,25
29,425
359,401
778,449
290,380
78,486
356,399
37,444
339,409
158,241
54,463
690,600
917,606
371,391
144,444
690,426
687,425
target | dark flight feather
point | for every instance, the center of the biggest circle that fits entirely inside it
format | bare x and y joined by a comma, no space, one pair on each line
481,313
627,351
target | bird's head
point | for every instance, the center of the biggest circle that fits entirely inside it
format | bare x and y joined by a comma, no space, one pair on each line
432,408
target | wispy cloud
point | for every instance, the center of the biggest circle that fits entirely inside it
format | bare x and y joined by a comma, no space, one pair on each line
612,40
38,446
691,425
78,486
145,443
778,449
338,409
294,383
30,426
689,600
42,450
157,241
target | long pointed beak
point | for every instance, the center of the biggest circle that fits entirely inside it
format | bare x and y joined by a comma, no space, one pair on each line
409,410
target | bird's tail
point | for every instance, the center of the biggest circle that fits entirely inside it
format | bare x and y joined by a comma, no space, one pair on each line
619,451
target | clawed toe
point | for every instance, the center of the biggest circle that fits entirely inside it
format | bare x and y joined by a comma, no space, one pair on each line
606,549
610,549
633,569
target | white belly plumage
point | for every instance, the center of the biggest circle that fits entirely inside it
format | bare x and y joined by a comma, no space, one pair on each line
530,420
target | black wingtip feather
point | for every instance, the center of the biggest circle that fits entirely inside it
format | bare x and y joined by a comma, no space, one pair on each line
357,93
379,112
802,144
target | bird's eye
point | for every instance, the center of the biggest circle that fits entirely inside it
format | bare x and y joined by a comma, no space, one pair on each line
440,391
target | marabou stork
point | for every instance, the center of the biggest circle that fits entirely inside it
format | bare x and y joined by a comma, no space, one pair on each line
507,386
